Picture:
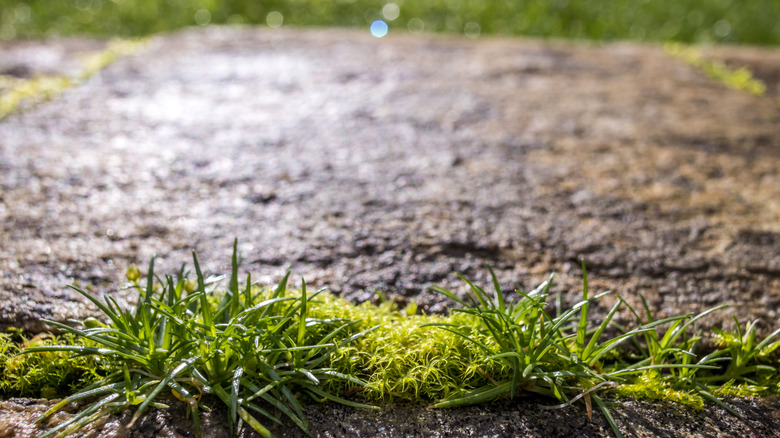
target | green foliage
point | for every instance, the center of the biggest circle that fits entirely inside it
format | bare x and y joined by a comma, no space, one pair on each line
564,357
673,370
263,351
557,356
253,351
737,79
49,374
689,21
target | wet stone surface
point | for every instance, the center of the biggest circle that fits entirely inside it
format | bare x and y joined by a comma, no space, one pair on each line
26,59
389,164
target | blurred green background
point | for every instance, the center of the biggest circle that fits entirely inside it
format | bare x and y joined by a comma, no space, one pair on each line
690,21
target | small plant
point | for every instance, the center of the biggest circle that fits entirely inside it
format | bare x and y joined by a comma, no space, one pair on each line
564,357
252,350
674,371
260,350
547,355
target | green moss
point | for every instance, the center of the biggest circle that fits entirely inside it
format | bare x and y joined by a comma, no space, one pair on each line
17,93
276,345
652,386
47,375
736,79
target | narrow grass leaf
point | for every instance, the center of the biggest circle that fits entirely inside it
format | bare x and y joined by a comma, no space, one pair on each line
175,372
607,415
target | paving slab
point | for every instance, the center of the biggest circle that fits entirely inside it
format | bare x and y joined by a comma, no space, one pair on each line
389,164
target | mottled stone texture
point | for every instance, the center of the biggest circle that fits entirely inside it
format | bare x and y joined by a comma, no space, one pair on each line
389,164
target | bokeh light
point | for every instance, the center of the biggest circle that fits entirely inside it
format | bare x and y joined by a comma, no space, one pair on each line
687,21
722,28
202,17
472,30
391,11
274,19
379,28
415,26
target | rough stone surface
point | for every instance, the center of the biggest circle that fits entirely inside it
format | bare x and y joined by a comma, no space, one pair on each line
519,418
56,57
389,164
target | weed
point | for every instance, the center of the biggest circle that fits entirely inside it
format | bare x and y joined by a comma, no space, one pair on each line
259,350
254,351
564,357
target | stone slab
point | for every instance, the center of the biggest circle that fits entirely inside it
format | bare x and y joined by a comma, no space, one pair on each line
389,164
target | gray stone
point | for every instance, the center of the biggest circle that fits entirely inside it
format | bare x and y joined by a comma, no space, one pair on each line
388,165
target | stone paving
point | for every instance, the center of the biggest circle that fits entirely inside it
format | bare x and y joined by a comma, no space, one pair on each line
388,165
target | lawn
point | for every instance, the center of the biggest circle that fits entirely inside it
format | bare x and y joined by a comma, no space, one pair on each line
688,21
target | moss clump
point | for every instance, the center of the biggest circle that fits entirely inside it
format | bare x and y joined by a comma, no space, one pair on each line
403,360
17,93
736,79
653,386
46,375
260,349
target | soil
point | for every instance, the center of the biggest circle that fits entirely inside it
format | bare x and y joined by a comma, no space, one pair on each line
388,165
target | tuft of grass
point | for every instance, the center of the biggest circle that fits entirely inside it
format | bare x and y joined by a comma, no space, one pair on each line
558,356
254,351
264,351
564,356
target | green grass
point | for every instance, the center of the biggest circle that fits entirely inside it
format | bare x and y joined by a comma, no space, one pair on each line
688,21
264,352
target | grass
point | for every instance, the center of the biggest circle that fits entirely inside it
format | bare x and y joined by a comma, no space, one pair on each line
687,21
263,352
252,350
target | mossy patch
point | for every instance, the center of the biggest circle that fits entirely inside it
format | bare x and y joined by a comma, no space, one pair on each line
48,374
735,78
260,349
17,93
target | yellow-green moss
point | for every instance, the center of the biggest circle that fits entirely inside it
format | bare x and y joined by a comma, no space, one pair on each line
651,386
737,79
17,92
47,375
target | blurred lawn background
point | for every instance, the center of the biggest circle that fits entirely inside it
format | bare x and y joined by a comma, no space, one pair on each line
755,22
